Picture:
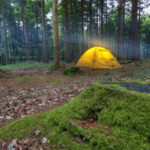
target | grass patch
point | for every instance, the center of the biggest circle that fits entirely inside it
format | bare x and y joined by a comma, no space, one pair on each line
125,112
30,79
26,64
55,82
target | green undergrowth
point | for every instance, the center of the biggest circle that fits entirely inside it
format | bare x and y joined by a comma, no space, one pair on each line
26,64
71,71
126,113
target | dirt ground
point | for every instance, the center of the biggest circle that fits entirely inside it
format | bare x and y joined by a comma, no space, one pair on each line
17,81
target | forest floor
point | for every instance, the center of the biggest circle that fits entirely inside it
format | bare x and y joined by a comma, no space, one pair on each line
32,90
37,89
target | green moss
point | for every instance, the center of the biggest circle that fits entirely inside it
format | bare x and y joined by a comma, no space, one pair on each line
71,71
126,112
22,127
140,82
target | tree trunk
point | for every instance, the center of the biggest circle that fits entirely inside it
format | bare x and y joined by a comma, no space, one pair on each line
82,27
139,24
25,30
90,7
72,31
76,37
12,26
45,50
106,37
55,34
68,55
5,35
37,34
120,54
97,32
134,32
102,13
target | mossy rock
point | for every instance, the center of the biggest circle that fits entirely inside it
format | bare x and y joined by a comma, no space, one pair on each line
125,112
142,87
71,71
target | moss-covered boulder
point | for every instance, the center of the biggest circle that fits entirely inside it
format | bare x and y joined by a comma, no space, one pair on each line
71,71
123,119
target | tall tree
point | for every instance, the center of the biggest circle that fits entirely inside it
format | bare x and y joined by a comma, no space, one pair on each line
68,55
55,34
102,22
82,26
91,22
134,32
106,23
45,50
25,30
5,34
120,54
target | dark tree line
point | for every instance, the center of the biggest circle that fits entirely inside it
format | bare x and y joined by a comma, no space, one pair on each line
28,33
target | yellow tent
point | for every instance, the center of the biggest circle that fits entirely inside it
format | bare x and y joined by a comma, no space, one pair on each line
98,58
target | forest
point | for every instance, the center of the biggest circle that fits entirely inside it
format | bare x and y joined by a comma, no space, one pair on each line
74,74
121,26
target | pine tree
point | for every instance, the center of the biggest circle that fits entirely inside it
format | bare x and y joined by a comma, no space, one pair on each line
134,32
68,55
120,54
45,50
55,35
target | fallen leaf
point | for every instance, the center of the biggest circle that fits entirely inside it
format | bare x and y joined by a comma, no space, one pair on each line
44,140
40,148
8,117
11,147
19,147
37,132
26,141
78,139
33,148
90,120
14,142
4,144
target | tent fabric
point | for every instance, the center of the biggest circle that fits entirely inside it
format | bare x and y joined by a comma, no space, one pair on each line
98,58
